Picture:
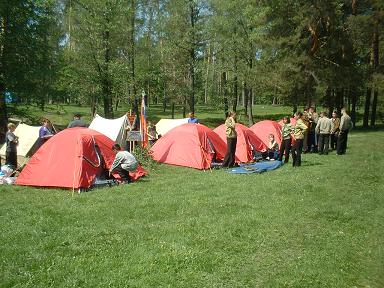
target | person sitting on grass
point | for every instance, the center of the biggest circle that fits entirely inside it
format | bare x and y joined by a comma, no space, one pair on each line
124,163
273,148
11,141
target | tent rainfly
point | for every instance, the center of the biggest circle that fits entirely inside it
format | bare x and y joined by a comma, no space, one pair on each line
247,142
165,125
28,140
73,158
189,145
112,128
263,128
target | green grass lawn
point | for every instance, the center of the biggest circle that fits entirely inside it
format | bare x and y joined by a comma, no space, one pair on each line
321,225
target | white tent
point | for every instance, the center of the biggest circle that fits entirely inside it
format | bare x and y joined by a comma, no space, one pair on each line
164,125
28,140
112,128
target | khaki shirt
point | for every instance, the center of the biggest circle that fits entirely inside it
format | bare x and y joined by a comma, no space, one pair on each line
323,126
230,130
299,129
335,125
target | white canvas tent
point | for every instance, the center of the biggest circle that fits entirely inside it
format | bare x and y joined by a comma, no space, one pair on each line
112,128
164,125
28,140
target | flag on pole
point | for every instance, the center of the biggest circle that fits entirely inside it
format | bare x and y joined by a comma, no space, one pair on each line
143,123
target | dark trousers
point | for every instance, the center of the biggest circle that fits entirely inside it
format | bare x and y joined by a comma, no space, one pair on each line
229,159
342,142
323,143
296,152
334,141
124,174
285,149
312,143
11,158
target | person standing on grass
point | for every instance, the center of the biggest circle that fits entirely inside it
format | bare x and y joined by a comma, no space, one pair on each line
345,126
323,129
286,131
298,133
192,118
335,128
312,135
11,141
77,122
124,163
151,132
305,119
230,131
46,131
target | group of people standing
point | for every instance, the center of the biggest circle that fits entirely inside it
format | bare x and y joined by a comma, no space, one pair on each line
314,134
311,133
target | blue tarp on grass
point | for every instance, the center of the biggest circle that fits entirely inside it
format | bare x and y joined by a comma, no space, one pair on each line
258,167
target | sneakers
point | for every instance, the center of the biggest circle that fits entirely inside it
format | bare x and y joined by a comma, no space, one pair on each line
267,158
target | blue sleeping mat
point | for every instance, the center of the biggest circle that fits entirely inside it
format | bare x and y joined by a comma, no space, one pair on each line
258,167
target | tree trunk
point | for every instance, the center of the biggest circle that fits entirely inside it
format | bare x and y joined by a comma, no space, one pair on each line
366,107
207,75
353,106
235,84
3,104
224,92
3,111
173,110
164,98
250,97
132,56
374,106
192,54
245,98
375,63
329,100
106,82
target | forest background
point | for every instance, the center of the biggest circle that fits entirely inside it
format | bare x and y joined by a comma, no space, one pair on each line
226,54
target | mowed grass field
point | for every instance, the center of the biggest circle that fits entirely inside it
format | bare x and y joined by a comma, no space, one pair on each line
320,225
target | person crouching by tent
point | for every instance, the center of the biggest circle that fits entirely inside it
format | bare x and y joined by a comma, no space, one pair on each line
124,163
46,131
230,131
298,133
11,141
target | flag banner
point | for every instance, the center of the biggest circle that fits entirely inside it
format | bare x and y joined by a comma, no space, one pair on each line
143,123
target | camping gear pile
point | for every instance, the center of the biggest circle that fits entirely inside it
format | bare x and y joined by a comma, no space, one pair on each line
5,175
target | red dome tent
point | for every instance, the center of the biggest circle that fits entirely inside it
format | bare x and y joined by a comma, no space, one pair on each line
246,142
70,159
189,145
263,128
